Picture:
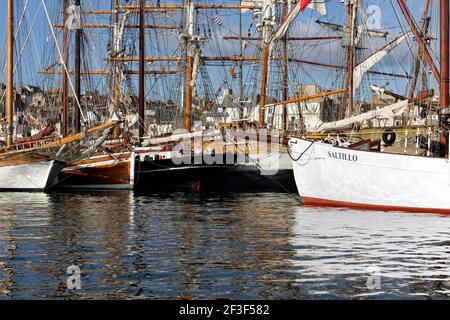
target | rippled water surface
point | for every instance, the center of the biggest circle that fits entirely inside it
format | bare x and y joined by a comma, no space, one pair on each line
239,246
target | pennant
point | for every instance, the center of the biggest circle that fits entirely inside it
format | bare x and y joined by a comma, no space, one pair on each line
244,45
217,20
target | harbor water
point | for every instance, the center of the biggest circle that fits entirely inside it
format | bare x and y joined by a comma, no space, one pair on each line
130,245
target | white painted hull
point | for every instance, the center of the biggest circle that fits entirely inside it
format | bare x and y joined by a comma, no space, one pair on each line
340,177
38,176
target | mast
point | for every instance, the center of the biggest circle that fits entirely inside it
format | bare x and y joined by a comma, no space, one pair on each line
65,80
419,59
117,85
419,39
352,7
189,64
262,106
77,67
444,65
267,25
241,71
141,69
117,77
9,75
116,14
285,66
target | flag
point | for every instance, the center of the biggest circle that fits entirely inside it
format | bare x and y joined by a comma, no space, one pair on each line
217,20
232,73
244,45
249,30
304,4
318,6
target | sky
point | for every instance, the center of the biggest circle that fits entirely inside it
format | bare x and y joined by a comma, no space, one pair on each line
40,50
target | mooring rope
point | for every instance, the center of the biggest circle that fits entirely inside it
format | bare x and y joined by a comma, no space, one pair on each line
301,155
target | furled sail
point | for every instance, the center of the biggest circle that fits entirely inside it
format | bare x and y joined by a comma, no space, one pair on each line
372,60
387,112
342,28
118,32
47,131
332,26
317,5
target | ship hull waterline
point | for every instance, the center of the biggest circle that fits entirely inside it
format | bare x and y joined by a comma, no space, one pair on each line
339,177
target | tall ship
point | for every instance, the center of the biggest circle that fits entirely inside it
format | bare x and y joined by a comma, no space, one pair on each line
181,62
406,167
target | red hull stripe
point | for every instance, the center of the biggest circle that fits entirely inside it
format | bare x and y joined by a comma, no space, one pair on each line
342,204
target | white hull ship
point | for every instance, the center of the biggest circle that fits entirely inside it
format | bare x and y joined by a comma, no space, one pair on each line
36,176
358,176
38,164
340,177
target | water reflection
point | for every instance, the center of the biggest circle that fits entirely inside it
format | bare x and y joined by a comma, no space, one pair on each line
145,246
212,246
238,246
336,253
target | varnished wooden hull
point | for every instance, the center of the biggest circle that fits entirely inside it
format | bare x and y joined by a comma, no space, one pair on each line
114,171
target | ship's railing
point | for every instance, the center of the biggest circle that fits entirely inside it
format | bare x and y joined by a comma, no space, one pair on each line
34,144
29,145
